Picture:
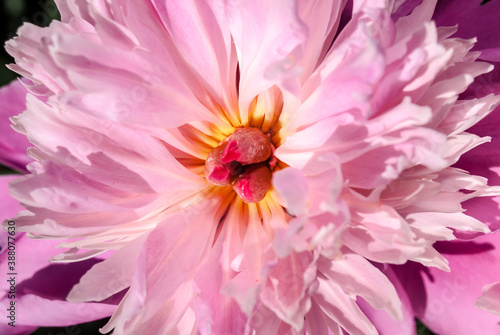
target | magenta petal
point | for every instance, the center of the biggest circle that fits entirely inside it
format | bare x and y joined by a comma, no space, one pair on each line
449,11
37,289
9,206
270,38
385,324
451,296
485,210
481,22
36,286
12,144
62,313
18,330
109,277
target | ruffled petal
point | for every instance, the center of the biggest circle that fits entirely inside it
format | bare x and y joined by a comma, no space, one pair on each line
289,286
485,210
136,90
475,20
9,206
357,276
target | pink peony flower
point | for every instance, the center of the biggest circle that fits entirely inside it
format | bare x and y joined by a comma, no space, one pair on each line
37,285
255,165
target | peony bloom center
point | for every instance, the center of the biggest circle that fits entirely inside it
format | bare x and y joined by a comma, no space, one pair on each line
244,161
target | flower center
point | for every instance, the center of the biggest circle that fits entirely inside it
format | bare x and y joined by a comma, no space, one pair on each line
244,161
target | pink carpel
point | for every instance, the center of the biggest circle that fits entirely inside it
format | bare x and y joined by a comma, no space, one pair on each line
218,173
247,146
253,184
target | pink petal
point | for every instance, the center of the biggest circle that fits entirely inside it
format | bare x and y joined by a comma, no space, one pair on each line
335,133
322,19
487,211
385,324
312,196
357,276
61,313
188,241
190,235
380,234
272,52
254,259
36,287
216,311
79,140
288,287
343,83
129,309
292,186
340,308
199,28
420,14
13,145
72,8
108,277
136,90
264,321
490,299
448,11
174,315
317,322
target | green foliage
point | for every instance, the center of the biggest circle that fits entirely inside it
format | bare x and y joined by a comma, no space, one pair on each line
422,329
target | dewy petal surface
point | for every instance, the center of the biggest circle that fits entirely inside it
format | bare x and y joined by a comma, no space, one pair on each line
346,120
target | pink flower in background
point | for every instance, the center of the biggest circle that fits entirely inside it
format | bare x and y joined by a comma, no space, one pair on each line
39,285
256,165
